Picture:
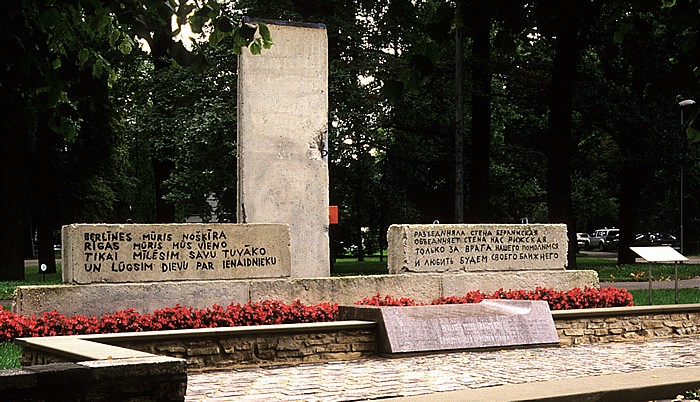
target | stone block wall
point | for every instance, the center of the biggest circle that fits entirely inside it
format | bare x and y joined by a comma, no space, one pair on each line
626,324
151,379
273,348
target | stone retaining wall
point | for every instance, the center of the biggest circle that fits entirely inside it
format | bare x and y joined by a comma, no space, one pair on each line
626,323
113,374
263,349
343,340
263,345
140,379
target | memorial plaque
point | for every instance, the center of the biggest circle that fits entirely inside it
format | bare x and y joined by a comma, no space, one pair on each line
491,323
471,248
116,253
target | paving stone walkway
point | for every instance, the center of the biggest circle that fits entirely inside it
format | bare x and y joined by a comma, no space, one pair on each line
382,378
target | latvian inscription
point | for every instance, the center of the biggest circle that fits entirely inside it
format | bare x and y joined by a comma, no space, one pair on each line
107,253
469,248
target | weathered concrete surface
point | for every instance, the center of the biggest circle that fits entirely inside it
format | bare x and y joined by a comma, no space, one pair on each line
489,282
282,125
106,298
348,290
143,297
488,324
116,253
476,247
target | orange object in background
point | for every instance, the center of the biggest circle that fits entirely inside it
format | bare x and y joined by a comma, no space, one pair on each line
333,214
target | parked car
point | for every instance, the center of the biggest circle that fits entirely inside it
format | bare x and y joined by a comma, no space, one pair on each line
583,241
651,239
601,239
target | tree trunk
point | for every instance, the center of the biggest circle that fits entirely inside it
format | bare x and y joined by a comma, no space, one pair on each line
162,168
45,145
14,134
161,158
630,191
479,189
12,184
459,115
559,201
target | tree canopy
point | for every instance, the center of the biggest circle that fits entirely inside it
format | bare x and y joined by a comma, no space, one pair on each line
562,112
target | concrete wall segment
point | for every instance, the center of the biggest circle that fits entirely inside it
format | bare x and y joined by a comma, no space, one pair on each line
282,124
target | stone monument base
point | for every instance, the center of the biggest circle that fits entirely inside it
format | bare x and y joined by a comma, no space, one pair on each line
146,297
488,324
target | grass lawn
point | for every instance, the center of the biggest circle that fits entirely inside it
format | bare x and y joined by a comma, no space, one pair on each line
350,266
665,296
32,277
10,355
607,269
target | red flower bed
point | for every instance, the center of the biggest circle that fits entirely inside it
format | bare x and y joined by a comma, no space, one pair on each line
576,298
274,312
179,317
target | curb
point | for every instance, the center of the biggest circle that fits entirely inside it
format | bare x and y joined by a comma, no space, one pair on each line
637,386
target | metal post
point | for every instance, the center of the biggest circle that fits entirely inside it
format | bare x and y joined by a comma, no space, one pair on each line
650,298
682,160
683,104
675,273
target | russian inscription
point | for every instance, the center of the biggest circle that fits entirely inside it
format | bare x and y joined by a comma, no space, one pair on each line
133,253
465,248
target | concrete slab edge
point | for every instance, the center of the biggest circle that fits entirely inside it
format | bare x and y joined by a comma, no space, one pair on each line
227,331
633,310
636,386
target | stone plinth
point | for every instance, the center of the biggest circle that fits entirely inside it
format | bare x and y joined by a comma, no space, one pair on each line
115,253
491,323
473,248
282,127
145,297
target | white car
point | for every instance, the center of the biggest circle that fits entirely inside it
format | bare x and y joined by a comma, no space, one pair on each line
583,241
602,238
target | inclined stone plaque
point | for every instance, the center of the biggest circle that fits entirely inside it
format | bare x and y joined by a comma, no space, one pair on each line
471,248
116,253
491,323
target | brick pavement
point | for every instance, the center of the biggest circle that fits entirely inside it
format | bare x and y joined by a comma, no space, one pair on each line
382,378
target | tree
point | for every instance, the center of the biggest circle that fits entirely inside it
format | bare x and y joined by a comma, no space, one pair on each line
479,186
48,45
643,88
201,120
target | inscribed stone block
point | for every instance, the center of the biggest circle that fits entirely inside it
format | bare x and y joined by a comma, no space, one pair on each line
471,247
118,253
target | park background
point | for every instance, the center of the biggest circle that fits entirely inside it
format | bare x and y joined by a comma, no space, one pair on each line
467,111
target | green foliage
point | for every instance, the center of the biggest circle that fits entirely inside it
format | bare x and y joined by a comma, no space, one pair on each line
32,277
10,356
183,116
352,267
666,296
609,271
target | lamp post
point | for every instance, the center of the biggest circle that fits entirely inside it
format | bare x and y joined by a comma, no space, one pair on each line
683,104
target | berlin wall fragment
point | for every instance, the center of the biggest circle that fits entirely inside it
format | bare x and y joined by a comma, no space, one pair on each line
282,128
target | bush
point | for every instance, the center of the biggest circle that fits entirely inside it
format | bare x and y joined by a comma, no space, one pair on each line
178,317
274,312
576,298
